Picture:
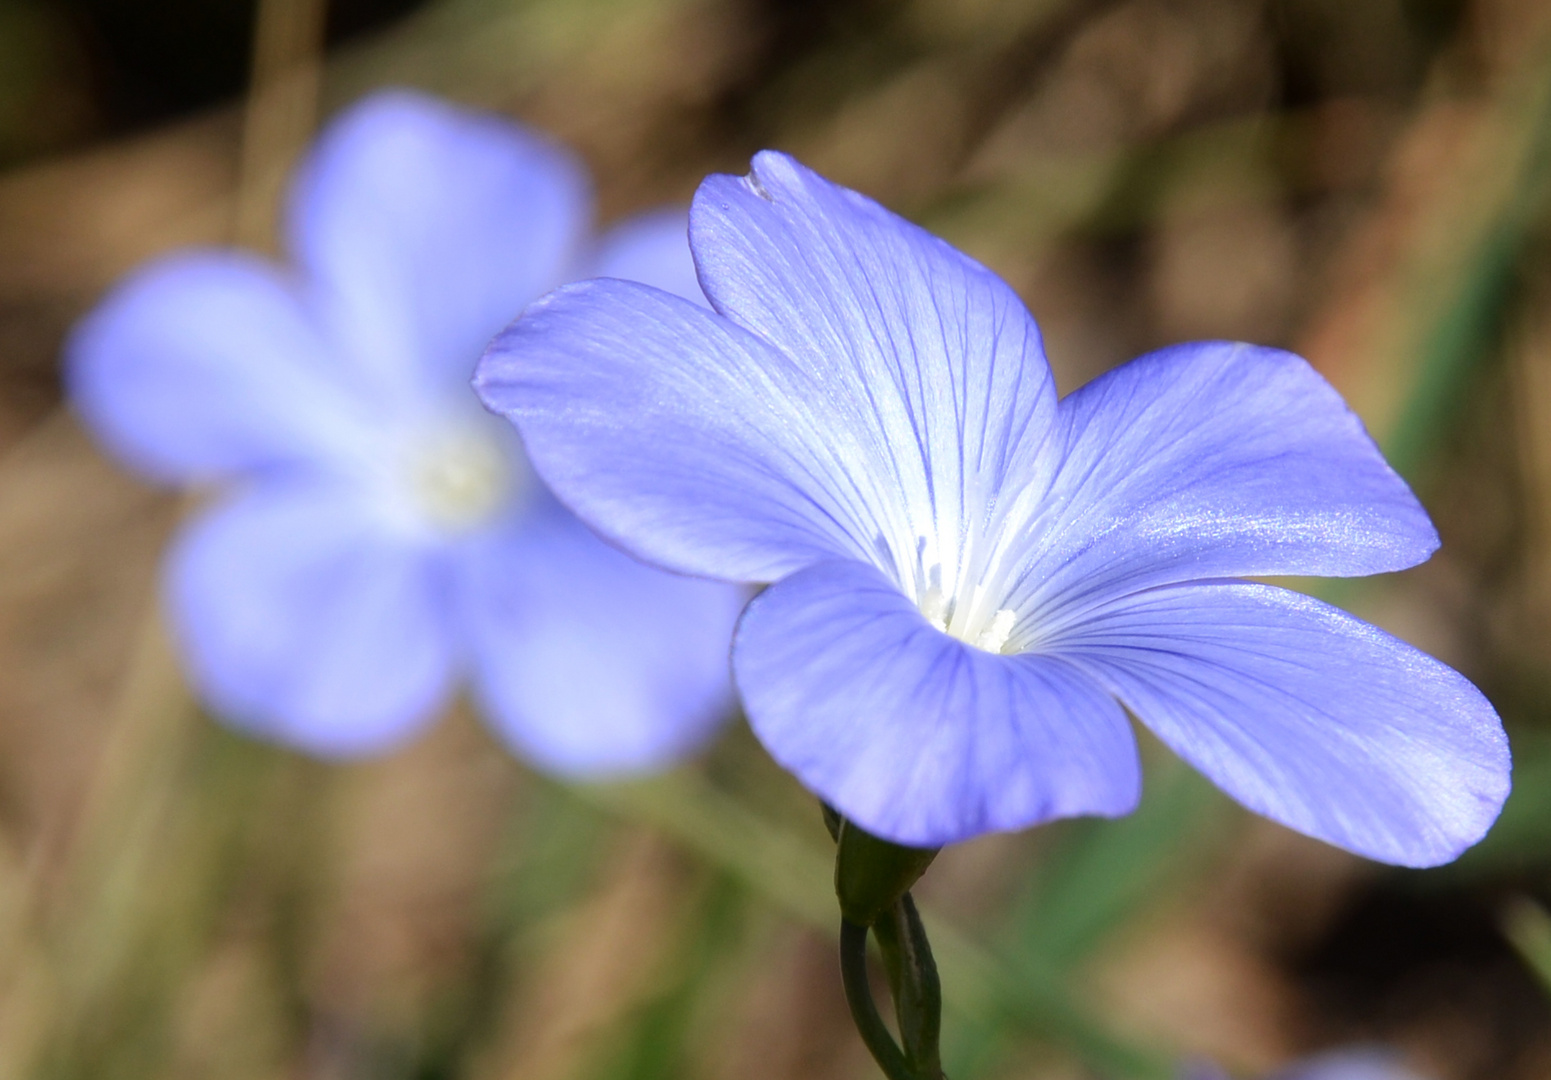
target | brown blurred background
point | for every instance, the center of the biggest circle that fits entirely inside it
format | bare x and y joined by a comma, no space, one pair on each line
1366,183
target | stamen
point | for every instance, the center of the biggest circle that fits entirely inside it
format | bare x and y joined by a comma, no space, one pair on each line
934,605
963,617
994,637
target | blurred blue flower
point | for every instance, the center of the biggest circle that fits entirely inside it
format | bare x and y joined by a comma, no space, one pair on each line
968,572
1368,1063
385,537
1357,1064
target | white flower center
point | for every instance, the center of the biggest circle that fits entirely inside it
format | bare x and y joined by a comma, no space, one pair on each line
459,477
976,622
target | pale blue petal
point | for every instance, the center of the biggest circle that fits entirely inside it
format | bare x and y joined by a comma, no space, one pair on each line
932,360
892,392
205,363
1351,1064
916,736
652,248
1306,715
1200,1069
302,620
679,436
1371,1064
1215,459
425,228
590,663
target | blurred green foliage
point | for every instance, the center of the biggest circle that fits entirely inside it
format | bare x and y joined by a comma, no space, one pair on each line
184,902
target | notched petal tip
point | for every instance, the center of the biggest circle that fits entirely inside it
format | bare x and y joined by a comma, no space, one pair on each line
757,185
772,170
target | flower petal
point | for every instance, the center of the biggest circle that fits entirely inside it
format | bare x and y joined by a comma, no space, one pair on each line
652,248
589,662
913,734
1216,459
426,228
1306,715
205,363
678,435
905,393
938,363
303,621
1360,1064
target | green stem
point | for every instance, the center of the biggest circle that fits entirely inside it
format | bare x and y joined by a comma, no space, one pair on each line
789,872
864,1011
914,983
873,877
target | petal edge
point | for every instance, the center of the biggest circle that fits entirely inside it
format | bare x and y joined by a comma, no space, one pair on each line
918,737
1307,715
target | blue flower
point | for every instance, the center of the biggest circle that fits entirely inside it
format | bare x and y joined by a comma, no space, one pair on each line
1348,1064
1359,1064
385,538
969,575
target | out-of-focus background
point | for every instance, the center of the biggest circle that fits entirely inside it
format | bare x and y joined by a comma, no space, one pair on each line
1366,183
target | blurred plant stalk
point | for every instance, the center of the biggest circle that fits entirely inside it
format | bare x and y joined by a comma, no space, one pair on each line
1424,285
103,891
63,956
797,876
1459,200
1528,927
281,111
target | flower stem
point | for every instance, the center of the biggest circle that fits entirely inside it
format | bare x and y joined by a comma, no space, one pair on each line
864,1011
907,955
873,877
785,869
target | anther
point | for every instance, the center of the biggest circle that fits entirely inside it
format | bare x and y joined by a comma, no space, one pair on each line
994,637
